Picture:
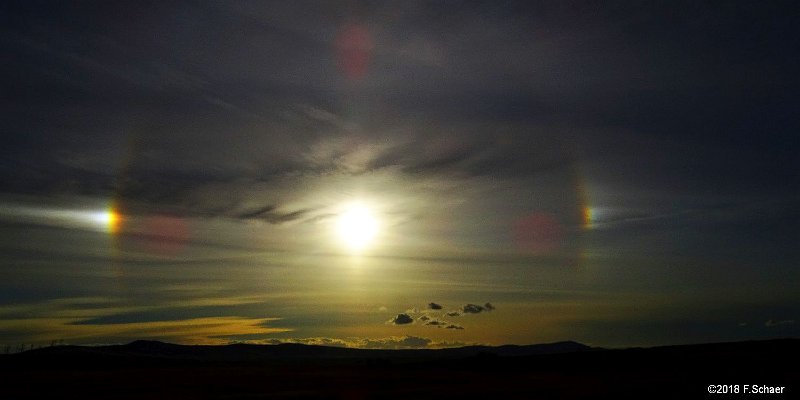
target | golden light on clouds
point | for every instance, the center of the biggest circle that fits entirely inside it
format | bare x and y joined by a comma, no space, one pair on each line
207,330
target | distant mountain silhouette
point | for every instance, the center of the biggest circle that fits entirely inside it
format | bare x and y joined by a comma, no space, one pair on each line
149,350
564,370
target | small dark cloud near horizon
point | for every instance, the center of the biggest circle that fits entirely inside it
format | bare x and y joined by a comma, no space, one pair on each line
454,314
402,319
434,306
472,309
436,323
412,342
454,326
476,309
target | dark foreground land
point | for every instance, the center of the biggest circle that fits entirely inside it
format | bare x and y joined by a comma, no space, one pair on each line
568,370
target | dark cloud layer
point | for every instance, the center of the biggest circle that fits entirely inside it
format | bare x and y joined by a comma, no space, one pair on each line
154,101
271,215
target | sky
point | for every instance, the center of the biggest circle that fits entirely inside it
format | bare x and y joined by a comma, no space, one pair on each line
399,174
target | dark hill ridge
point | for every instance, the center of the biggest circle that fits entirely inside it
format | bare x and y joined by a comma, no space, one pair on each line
155,351
565,370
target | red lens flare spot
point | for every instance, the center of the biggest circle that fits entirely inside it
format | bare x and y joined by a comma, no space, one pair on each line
169,234
538,233
353,47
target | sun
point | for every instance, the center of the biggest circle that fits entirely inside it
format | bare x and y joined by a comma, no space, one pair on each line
357,227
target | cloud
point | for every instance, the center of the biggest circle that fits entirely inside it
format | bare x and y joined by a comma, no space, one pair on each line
411,341
402,319
472,309
404,342
434,306
392,342
476,309
244,131
315,341
257,212
205,330
436,323
454,326
454,314
272,215
770,323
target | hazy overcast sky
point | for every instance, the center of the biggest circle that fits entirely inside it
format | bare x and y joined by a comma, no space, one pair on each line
616,173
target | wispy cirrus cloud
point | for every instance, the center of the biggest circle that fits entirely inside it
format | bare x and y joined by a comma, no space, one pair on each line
208,330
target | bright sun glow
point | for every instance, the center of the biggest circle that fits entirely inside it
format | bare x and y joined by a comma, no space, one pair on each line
109,219
357,227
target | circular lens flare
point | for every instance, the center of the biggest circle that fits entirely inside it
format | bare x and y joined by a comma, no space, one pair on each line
357,227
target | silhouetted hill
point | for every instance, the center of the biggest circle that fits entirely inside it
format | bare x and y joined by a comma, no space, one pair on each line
148,351
565,370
